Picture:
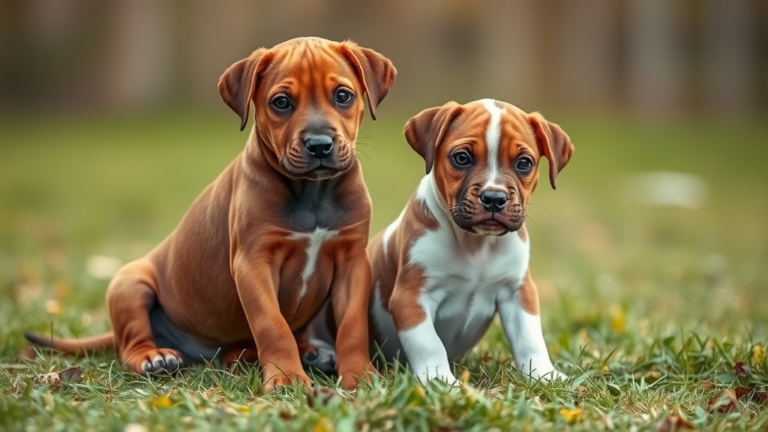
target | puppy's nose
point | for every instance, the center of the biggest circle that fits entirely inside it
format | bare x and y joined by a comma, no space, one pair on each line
493,200
318,146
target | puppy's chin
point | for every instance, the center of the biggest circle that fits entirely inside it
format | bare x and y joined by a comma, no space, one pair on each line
488,227
313,170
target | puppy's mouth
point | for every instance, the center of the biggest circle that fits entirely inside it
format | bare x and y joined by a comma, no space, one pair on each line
313,169
493,224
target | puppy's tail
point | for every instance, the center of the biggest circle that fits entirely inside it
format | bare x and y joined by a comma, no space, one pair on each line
73,346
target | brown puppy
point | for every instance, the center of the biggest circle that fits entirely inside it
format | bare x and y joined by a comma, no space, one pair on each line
281,230
458,254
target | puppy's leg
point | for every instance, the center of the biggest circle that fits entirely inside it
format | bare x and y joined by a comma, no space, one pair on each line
278,353
414,319
519,313
129,299
350,293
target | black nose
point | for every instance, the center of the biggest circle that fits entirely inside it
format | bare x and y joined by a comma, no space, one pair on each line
493,200
318,146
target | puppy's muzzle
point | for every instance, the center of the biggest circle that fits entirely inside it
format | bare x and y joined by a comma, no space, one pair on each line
318,146
493,201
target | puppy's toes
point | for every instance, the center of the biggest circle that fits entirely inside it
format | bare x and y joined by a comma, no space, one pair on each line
162,361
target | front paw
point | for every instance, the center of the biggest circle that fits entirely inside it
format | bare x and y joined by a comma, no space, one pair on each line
273,377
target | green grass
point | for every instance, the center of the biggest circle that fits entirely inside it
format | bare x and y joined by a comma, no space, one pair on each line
640,305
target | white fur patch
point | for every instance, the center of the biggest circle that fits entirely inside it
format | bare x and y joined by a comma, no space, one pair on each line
493,141
316,240
390,230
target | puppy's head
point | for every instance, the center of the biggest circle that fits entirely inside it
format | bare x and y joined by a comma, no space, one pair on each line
308,94
485,157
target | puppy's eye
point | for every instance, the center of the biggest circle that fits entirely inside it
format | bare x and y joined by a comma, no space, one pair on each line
524,165
344,97
462,158
281,103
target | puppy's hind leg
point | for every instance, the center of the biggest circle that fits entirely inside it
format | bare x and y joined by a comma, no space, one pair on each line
129,299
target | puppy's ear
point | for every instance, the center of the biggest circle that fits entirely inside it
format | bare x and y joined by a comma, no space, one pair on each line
238,83
375,72
553,143
426,130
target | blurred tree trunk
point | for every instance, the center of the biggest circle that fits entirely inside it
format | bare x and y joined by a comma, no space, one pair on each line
655,57
510,51
729,65
140,63
587,68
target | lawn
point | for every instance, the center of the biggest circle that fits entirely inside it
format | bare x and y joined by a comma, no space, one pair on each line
657,314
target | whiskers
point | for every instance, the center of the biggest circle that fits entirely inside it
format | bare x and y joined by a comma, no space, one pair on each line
529,211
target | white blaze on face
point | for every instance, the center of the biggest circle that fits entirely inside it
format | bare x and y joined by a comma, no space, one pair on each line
493,142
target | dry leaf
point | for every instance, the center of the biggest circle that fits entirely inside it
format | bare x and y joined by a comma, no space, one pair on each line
464,377
673,422
161,402
652,376
618,321
740,369
724,402
758,354
571,415
52,307
320,396
69,375
486,357
707,384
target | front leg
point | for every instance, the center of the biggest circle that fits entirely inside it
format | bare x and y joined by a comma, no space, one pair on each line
350,293
519,313
414,315
277,350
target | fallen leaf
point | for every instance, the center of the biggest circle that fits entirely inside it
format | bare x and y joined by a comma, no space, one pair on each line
740,392
56,379
161,402
464,377
571,415
724,402
618,321
760,397
52,307
323,425
486,357
652,376
320,396
707,384
673,422
758,354
740,369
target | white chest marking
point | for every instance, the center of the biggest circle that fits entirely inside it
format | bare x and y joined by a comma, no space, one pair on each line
391,230
493,141
316,240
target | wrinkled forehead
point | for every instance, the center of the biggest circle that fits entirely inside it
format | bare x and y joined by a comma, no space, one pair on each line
308,63
491,124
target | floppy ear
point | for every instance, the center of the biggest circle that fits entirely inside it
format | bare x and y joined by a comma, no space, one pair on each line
238,83
375,72
553,143
426,130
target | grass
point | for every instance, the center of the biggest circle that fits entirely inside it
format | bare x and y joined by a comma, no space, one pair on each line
647,309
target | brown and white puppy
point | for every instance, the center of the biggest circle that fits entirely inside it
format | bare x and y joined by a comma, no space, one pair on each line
281,230
458,254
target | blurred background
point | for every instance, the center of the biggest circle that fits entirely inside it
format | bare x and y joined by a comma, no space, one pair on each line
111,124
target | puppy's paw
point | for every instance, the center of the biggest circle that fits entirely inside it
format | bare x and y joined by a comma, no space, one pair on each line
274,378
154,361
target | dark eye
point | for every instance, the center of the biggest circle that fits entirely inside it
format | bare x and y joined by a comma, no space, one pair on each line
343,97
461,158
281,103
524,165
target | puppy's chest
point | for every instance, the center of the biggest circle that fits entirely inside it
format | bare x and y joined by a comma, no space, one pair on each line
308,268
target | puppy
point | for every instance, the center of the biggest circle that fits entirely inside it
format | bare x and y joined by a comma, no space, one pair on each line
458,254
280,231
